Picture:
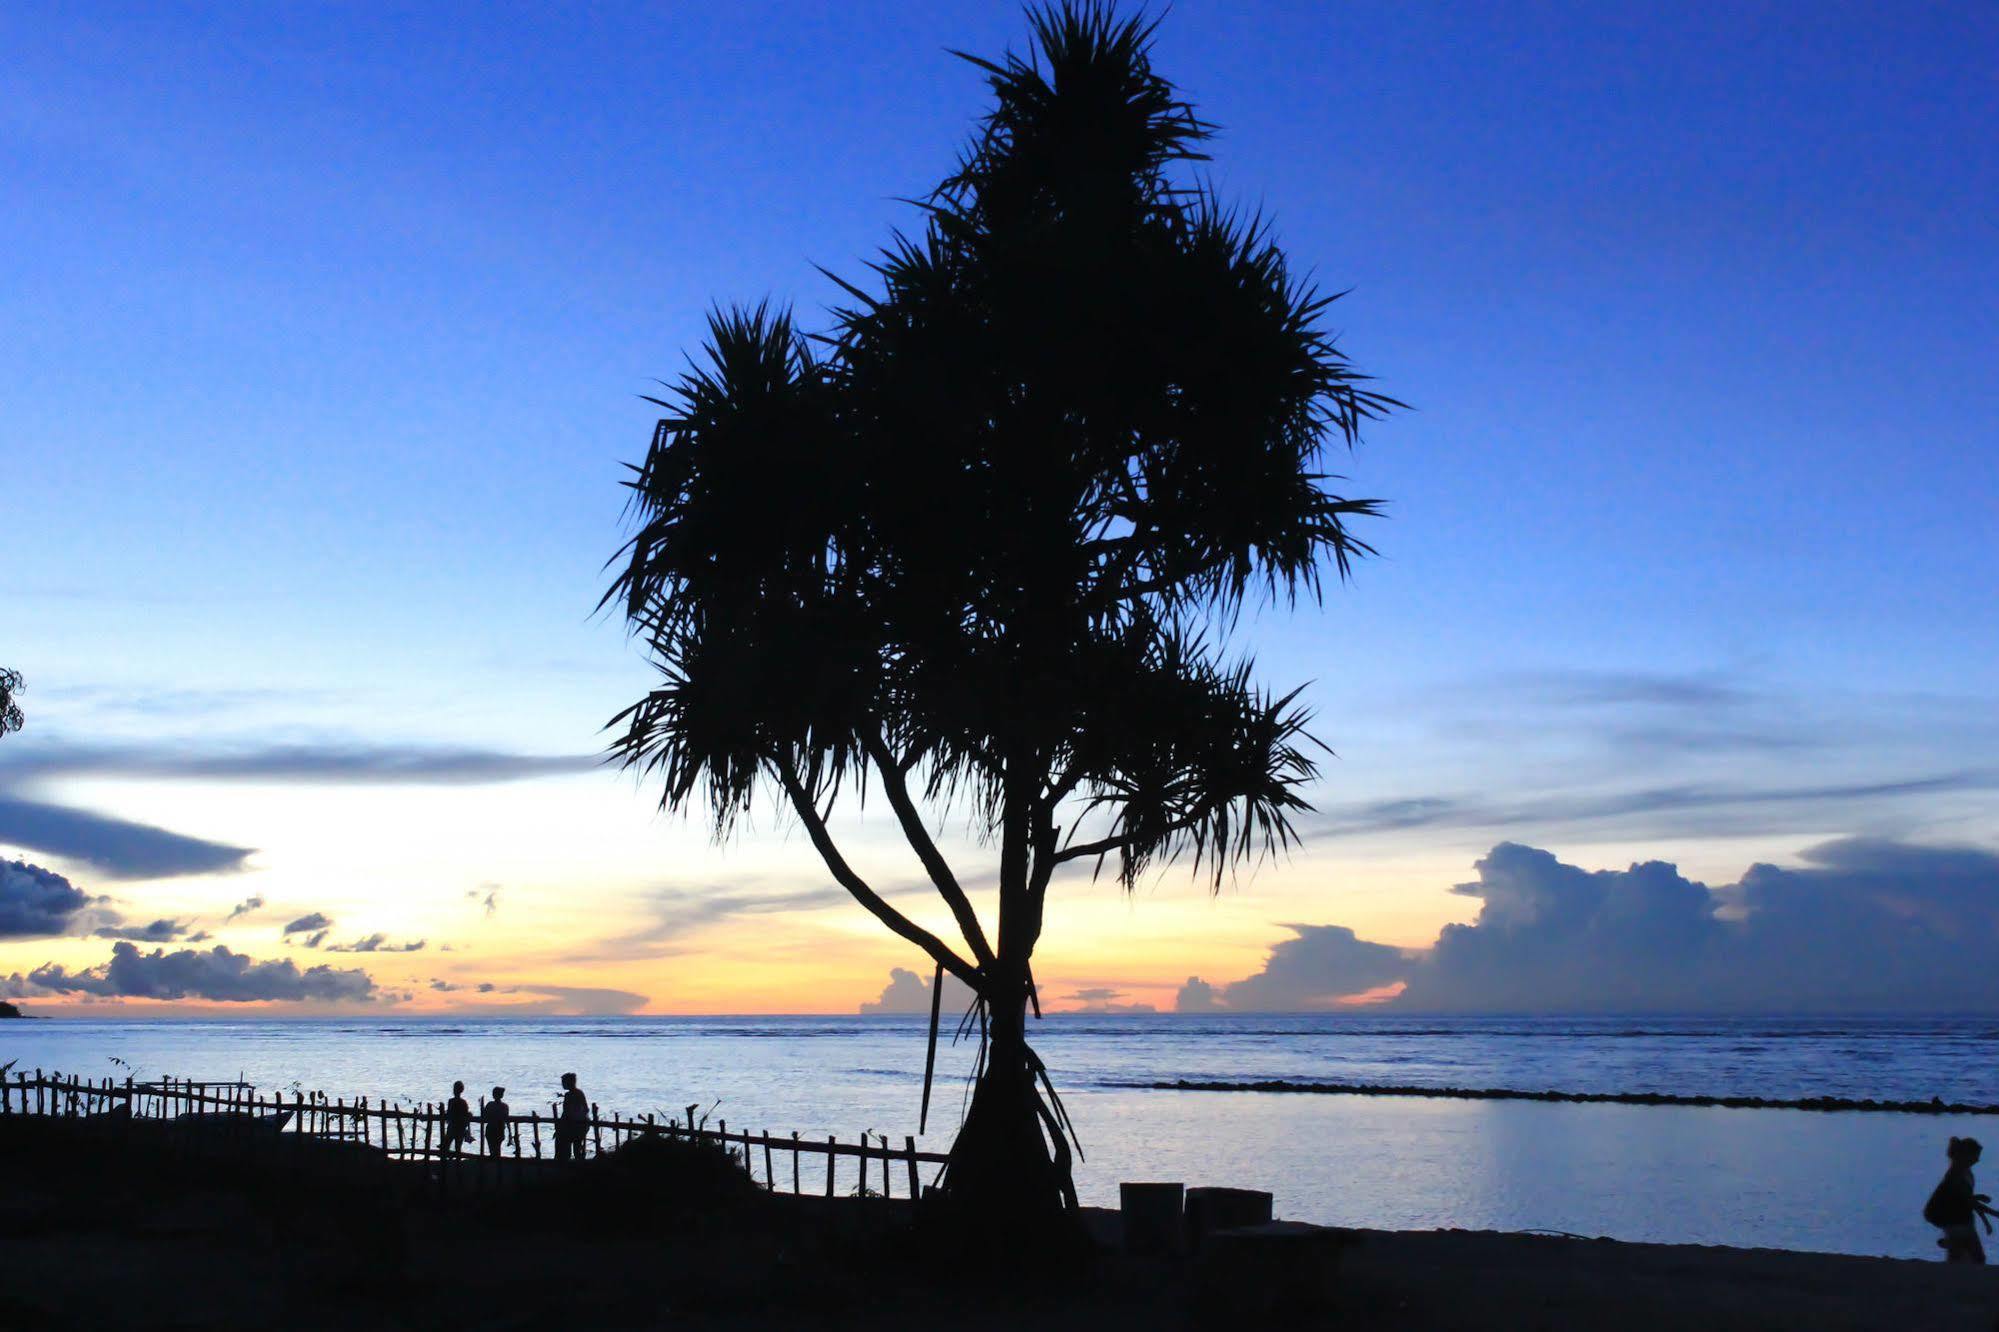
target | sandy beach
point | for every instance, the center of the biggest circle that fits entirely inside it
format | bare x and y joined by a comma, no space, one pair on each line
114,1230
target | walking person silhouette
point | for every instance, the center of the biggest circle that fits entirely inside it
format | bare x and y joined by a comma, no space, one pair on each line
572,1121
457,1122
1955,1205
493,1123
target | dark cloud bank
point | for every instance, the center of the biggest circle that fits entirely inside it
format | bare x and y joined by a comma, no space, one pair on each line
215,974
1862,926
37,903
113,847
118,848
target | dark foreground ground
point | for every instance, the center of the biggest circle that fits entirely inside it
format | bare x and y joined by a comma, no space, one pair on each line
103,1229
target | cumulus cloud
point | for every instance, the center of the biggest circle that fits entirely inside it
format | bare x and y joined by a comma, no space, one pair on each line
1197,996
309,922
215,974
1860,925
907,992
113,847
35,902
376,943
1315,968
245,907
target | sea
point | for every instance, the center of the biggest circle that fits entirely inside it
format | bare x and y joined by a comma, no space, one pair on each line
1842,1182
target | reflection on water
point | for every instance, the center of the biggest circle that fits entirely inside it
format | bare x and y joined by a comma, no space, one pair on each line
1844,1182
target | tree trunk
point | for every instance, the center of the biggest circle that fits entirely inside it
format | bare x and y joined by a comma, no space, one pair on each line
1011,1159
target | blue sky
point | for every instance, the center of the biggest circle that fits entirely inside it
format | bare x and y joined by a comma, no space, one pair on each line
324,328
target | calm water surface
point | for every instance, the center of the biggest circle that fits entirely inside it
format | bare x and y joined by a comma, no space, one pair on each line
1791,1179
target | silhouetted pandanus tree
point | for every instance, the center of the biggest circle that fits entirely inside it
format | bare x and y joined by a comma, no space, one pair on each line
981,546
10,711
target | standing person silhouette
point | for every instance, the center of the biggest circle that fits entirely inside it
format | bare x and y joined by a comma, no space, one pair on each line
572,1121
493,1123
457,1122
1956,1205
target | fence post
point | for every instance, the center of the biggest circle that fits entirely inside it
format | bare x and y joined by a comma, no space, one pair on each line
534,1122
915,1187
596,1132
770,1175
832,1161
795,1190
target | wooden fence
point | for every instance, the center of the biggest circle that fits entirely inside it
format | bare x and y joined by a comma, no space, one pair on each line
416,1132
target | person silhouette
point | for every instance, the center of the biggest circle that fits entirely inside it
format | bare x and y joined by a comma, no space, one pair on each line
1956,1205
493,1122
572,1121
457,1121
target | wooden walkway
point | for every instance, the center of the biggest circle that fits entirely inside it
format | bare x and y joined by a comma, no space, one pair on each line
415,1133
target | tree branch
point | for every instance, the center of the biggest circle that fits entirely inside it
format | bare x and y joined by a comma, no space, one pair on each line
822,841
892,774
1104,846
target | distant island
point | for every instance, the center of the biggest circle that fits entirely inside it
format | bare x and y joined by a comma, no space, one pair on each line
8,1010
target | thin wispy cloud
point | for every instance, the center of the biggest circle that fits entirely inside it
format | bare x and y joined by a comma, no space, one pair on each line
158,931
1703,692
166,702
533,998
1688,809
376,943
677,913
349,764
